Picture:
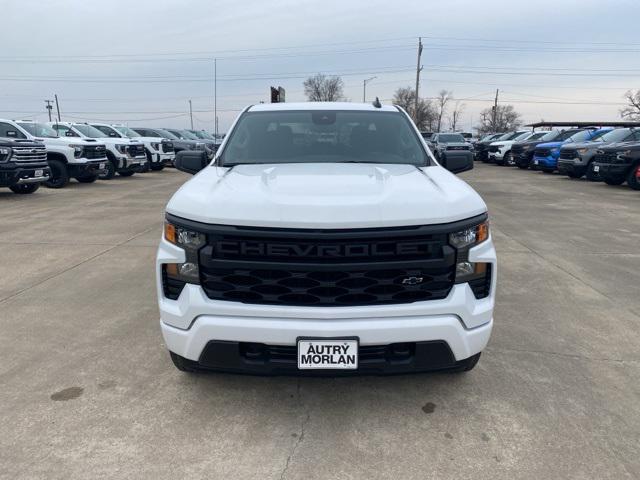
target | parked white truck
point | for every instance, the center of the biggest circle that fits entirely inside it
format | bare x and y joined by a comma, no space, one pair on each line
325,237
67,157
159,151
125,156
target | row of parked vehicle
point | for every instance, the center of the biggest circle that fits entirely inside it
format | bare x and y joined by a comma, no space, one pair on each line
33,153
604,154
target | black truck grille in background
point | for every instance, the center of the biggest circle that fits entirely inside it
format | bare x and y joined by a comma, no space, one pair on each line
136,150
568,154
167,147
94,152
515,149
29,154
458,147
607,157
327,268
542,152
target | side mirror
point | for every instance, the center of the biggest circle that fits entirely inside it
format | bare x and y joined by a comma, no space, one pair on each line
69,133
112,134
11,133
190,161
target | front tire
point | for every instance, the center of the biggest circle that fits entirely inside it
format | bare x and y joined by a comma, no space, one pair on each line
613,181
156,167
59,174
126,173
507,160
25,189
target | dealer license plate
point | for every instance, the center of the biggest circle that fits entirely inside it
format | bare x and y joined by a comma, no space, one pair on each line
321,354
596,168
38,173
535,162
102,166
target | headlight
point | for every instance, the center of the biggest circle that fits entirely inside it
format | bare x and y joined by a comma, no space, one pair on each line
582,151
626,153
463,241
155,146
5,154
77,150
190,242
121,148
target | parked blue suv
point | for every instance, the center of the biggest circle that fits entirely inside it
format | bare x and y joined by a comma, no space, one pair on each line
545,156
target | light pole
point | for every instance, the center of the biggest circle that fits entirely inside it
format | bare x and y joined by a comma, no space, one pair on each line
364,88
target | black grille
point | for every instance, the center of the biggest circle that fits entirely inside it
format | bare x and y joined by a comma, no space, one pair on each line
569,153
170,286
542,152
167,147
494,148
606,157
136,150
515,149
328,268
94,152
482,286
458,147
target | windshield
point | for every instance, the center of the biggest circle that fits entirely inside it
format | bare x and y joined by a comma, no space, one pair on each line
187,134
537,135
581,136
505,136
521,136
599,134
127,132
202,134
564,135
323,136
450,138
617,135
166,133
89,131
39,129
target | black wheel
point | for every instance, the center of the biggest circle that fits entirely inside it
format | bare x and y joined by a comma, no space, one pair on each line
574,174
548,170
145,168
614,180
632,180
87,178
183,364
126,173
25,189
110,168
467,364
523,166
59,174
156,167
507,160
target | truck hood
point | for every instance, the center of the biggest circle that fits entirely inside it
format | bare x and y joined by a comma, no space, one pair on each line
150,139
324,195
612,147
115,141
69,141
552,144
503,143
590,145
455,144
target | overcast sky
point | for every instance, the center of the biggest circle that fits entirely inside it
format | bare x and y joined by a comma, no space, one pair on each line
140,61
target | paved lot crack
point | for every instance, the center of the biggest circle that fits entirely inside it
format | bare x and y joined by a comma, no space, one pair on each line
300,438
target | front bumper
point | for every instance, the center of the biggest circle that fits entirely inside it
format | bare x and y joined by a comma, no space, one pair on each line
549,162
496,156
613,170
163,158
89,167
131,163
461,321
23,174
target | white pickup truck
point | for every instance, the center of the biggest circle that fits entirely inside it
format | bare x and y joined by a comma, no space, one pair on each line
125,156
67,157
159,151
325,238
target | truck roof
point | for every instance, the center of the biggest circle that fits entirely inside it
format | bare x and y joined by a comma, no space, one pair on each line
366,107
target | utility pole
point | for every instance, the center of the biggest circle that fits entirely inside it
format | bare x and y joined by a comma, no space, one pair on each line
191,114
418,70
364,88
57,106
215,97
49,107
495,110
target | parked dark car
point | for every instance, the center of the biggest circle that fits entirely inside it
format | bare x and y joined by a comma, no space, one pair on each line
481,147
178,144
523,151
186,135
617,163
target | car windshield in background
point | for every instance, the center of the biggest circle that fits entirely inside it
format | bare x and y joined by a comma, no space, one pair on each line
521,136
188,135
166,133
537,135
582,136
565,135
617,135
506,136
89,131
323,137
127,132
450,138
39,129
202,135
548,136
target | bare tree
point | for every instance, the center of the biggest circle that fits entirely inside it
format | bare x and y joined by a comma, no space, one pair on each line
632,110
442,100
454,118
425,116
506,119
321,88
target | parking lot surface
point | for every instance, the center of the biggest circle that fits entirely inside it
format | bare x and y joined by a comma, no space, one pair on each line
88,389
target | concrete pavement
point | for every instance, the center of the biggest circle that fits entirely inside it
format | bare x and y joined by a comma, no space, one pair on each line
87,389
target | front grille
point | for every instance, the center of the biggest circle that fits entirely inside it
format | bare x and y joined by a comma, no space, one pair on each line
606,157
327,268
568,154
167,147
516,149
94,152
29,154
136,150
494,148
458,147
542,152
